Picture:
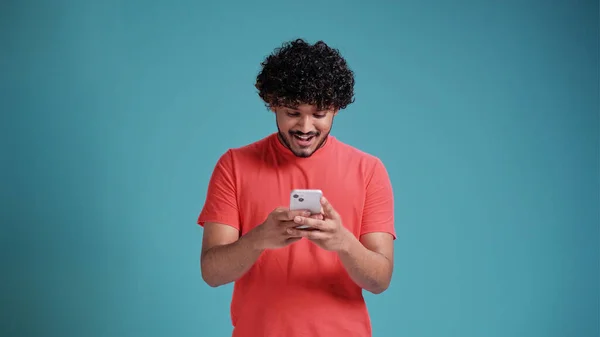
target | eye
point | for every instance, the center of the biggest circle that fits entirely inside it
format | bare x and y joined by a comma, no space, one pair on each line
293,114
320,116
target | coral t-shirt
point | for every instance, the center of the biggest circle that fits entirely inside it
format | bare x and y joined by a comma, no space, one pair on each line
299,290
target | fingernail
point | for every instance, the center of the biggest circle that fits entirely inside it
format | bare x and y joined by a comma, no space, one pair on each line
297,219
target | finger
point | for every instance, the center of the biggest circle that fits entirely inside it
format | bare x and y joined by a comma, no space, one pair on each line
288,215
277,213
318,216
309,234
293,239
290,224
310,222
328,209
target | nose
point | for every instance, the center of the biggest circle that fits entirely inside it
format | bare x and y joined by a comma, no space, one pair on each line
305,124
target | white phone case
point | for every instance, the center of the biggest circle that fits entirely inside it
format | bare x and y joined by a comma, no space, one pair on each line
306,200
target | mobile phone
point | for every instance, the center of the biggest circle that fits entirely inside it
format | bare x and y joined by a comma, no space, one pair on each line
310,200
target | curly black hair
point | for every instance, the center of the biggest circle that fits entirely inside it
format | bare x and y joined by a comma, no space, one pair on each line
299,73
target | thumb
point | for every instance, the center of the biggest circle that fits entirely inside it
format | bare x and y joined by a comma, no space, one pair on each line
328,209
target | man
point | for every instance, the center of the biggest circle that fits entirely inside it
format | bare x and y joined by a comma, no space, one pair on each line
288,281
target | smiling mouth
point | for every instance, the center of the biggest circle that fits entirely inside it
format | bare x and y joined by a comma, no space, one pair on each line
303,137
303,140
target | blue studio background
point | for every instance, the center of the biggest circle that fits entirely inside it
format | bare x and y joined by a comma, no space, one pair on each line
115,112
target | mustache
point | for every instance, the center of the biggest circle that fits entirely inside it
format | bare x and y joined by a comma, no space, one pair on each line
308,134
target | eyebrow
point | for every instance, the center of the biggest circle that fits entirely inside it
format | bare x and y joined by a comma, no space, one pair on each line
296,110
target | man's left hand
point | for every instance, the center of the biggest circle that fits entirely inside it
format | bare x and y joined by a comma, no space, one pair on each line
328,233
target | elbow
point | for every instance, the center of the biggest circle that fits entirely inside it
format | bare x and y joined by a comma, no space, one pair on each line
212,284
208,276
209,280
379,289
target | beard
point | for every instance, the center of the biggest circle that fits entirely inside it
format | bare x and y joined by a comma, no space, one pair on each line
302,153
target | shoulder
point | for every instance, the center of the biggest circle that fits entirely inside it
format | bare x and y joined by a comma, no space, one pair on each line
258,146
352,155
244,155
249,153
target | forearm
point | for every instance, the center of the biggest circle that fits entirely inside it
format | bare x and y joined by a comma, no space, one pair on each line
227,263
370,270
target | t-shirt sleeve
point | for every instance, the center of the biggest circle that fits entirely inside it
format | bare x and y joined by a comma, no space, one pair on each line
378,213
221,197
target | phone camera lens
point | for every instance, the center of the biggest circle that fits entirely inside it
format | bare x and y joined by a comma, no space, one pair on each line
301,199
296,196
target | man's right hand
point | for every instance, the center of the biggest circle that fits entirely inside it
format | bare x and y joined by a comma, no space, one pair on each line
273,233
